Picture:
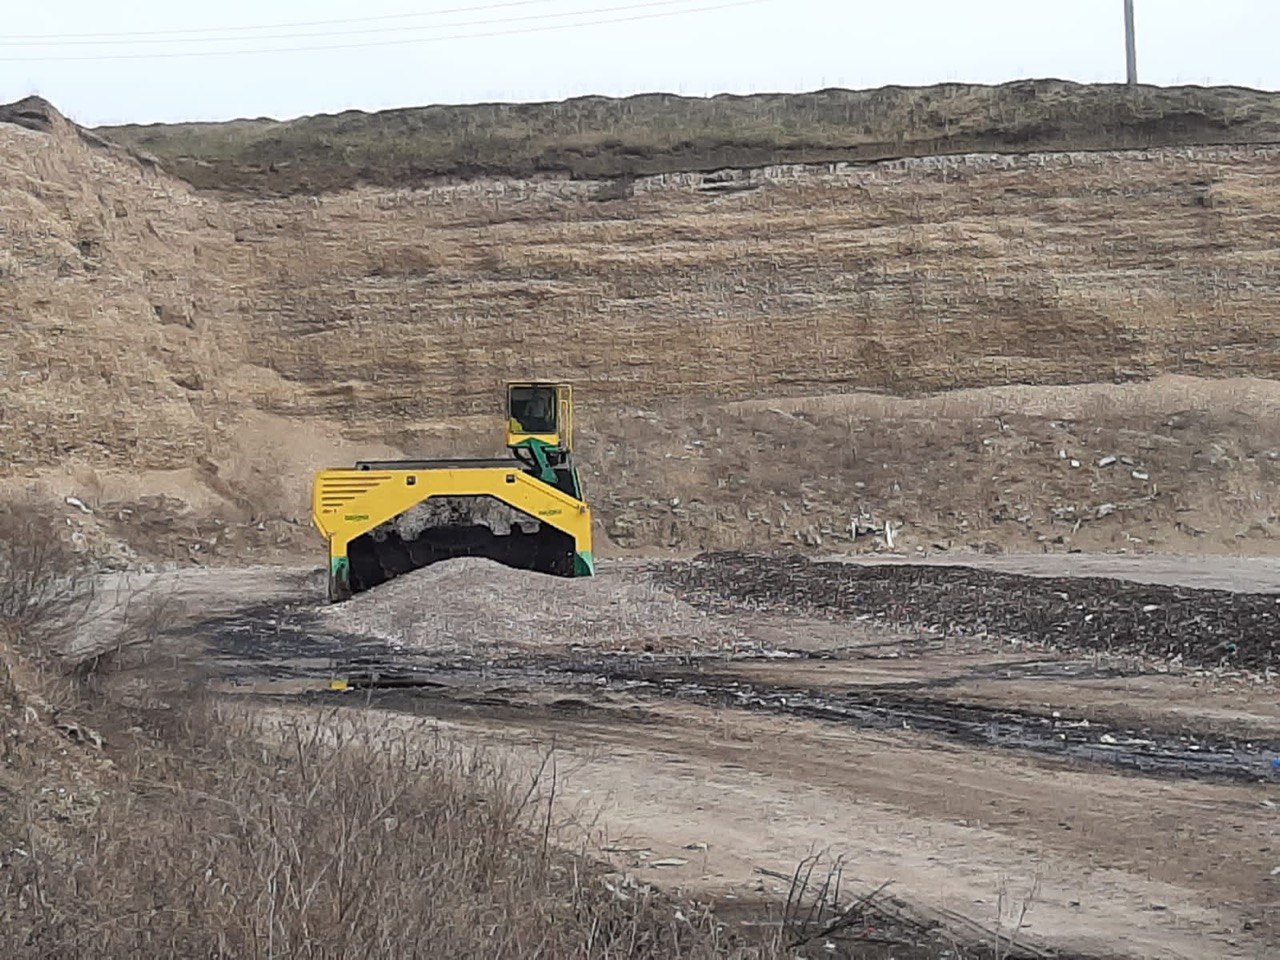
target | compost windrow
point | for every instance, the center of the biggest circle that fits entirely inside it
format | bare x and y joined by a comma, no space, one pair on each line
1195,627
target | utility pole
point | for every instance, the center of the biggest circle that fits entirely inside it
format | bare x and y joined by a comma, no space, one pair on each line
1130,44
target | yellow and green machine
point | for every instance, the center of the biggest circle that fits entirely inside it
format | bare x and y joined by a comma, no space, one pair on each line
383,518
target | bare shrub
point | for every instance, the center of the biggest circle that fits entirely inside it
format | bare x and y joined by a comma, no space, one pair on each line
45,587
60,615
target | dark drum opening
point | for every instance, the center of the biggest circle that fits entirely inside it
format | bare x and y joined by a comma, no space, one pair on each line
380,555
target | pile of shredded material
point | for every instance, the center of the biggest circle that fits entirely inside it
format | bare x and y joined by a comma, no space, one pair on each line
472,604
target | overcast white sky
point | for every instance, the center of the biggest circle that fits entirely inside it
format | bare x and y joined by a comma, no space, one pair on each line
387,53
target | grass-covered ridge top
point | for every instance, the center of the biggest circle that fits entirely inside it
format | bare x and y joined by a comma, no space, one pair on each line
604,137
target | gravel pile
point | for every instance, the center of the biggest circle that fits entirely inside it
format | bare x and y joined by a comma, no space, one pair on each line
469,604
1177,624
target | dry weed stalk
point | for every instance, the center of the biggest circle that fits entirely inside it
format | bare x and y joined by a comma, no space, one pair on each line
317,837
45,590
814,910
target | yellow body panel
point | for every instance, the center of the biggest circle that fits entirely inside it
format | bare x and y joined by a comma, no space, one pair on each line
516,436
348,503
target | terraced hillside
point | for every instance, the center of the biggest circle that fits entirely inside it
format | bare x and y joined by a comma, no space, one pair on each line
765,357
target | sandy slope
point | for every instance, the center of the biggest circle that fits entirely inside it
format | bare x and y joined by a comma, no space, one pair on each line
182,363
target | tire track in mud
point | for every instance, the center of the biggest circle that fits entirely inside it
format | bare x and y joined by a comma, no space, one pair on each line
1144,751
269,644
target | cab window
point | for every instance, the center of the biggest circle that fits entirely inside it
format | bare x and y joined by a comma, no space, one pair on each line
534,409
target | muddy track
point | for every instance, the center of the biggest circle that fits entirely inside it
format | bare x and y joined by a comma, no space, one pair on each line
265,643
1146,751
961,768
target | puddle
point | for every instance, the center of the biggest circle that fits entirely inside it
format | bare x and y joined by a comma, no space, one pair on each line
265,645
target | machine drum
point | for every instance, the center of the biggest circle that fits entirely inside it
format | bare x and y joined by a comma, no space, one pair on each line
442,528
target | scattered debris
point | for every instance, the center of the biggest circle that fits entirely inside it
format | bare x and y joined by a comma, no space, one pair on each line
1176,624
80,734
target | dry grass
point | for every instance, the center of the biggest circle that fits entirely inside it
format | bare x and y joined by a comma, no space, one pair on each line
219,841
197,829
598,137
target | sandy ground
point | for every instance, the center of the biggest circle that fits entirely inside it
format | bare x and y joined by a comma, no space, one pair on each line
1106,864
934,765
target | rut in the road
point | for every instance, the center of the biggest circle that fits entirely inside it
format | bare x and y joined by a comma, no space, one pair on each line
1087,614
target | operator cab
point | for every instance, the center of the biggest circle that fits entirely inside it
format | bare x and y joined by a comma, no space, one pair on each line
540,432
541,412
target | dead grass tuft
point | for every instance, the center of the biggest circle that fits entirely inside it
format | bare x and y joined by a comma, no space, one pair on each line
44,587
309,837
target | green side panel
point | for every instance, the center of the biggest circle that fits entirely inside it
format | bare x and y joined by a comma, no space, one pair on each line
339,579
577,483
539,449
584,565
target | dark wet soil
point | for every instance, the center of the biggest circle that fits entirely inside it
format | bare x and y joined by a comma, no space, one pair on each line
1146,751
277,644
1075,615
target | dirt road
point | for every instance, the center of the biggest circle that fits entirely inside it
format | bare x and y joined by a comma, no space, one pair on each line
1104,865
1090,802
